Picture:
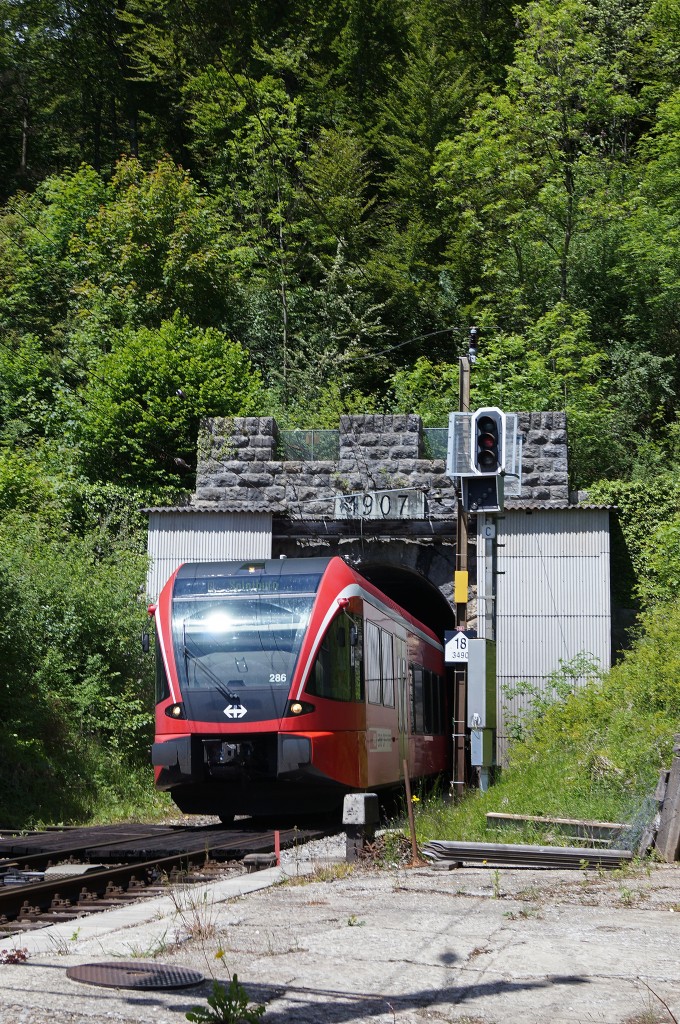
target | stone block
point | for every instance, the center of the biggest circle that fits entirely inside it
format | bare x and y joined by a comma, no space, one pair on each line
209,494
225,480
552,451
537,437
274,494
360,809
256,480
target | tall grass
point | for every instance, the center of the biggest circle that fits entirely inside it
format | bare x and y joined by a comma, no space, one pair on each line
594,754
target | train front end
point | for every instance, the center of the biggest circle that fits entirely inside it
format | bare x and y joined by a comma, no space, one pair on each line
229,638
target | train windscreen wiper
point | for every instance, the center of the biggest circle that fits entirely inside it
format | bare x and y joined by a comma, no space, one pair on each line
219,685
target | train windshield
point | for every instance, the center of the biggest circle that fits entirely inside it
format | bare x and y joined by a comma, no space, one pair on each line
234,636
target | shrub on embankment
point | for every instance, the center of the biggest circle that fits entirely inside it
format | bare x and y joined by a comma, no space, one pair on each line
76,694
593,753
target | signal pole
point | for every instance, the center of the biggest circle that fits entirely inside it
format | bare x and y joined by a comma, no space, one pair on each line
460,671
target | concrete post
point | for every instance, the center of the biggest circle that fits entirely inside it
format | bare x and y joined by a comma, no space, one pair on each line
360,816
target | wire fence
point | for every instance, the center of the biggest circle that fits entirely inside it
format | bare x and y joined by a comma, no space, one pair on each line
309,445
435,442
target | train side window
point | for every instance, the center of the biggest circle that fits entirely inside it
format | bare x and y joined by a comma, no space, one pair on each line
438,705
417,699
387,664
332,675
162,687
427,702
320,681
402,678
373,663
356,659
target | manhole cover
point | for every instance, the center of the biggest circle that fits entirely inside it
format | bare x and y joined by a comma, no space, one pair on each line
134,975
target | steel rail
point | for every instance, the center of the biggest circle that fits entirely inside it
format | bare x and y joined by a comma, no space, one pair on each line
56,897
27,861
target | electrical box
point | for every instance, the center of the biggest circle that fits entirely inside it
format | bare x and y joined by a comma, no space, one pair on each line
482,748
481,684
483,493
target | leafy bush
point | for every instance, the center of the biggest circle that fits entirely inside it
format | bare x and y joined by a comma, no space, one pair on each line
226,1006
75,692
589,752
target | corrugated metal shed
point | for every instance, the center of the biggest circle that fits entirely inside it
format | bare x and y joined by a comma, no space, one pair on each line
179,535
553,596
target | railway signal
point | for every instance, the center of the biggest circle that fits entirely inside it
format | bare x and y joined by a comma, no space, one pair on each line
488,441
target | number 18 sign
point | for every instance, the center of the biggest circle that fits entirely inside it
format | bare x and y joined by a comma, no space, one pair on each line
456,646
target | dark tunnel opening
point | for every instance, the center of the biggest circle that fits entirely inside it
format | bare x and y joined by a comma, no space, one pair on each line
413,592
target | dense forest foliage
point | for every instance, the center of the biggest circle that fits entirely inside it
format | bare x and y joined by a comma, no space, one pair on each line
299,210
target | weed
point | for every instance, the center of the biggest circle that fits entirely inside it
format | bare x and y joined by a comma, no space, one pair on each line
522,915
647,1016
321,873
496,884
627,896
61,945
155,948
532,892
392,848
13,956
197,913
354,922
652,1014
226,1006
478,951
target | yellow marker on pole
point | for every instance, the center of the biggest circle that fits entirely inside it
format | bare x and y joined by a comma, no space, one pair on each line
460,586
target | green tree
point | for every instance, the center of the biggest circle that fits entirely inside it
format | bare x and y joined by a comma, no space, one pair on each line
75,695
137,417
536,168
156,245
428,389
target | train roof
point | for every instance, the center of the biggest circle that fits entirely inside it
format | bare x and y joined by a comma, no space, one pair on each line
279,567
271,566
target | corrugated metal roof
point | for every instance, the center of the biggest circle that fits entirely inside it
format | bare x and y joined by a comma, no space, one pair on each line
527,505
237,506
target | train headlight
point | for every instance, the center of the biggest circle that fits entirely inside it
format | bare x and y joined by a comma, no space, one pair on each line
175,711
300,707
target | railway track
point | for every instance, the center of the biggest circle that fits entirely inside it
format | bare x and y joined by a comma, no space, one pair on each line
51,876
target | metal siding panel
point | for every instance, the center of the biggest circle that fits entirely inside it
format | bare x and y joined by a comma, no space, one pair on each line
553,598
177,537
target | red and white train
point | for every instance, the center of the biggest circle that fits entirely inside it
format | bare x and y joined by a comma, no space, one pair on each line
282,685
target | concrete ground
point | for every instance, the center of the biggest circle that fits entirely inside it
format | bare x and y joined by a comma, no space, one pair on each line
395,945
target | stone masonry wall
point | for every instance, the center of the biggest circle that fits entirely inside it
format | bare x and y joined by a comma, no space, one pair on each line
238,468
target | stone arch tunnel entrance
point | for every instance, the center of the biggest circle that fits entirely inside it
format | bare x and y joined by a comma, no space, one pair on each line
418,576
412,591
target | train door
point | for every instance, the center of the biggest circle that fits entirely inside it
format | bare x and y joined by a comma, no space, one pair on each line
381,711
401,678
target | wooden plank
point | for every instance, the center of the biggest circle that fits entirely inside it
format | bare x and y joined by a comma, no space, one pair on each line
668,837
605,830
660,791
